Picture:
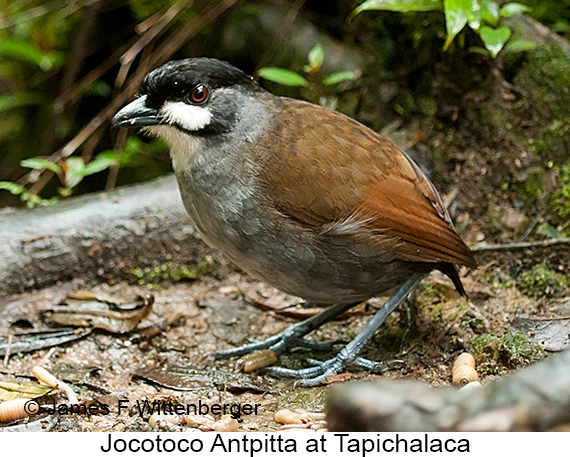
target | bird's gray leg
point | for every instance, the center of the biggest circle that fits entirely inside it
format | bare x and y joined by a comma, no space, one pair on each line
348,355
291,336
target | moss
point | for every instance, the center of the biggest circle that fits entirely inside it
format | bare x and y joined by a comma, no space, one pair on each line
546,72
545,76
390,339
540,281
485,344
496,117
552,143
427,106
534,183
560,199
548,231
493,221
155,277
532,188
512,349
498,278
547,188
515,349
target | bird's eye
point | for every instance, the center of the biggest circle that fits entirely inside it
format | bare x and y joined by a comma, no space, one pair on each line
199,94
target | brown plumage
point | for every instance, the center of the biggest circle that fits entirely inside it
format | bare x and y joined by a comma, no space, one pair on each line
336,175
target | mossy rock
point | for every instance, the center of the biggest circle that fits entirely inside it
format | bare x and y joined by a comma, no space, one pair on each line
516,350
540,282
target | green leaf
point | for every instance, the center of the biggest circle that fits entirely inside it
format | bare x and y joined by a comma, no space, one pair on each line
27,52
128,155
64,192
341,76
520,46
400,6
12,101
457,14
134,145
282,76
36,163
494,39
479,50
316,58
74,171
12,187
100,163
99,88
510,9
490,12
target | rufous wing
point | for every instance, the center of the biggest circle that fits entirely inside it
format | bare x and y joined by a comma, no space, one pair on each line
332,171
396,206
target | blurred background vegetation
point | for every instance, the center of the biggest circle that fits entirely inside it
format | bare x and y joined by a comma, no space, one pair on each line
66,66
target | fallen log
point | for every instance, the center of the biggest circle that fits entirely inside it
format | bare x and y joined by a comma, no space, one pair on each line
535,398
98,236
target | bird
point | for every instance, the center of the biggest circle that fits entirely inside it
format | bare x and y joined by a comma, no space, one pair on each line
306,199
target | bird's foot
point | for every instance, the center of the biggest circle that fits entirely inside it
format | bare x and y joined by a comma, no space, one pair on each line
278,343
292,336
321,370
349,355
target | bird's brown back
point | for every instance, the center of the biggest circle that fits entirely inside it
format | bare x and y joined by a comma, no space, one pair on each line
335,175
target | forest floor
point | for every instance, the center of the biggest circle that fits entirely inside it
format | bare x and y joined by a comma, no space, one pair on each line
166,357
487,163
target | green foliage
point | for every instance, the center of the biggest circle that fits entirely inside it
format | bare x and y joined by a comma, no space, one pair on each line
314,81
494,39
338,77
72,171
548,231
400,6
512,349
484,344
553,13
540,282
143,9
31,200
316,58
27,52
37,163
534,184
50,88
282,76
168,273
560,199
548,187
484,17
20,99
515,349
457,14
512,9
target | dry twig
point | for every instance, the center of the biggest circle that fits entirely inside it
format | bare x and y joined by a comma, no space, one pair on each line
519,246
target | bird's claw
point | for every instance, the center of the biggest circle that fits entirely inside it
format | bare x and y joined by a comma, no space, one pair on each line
321,370
290,337
277,343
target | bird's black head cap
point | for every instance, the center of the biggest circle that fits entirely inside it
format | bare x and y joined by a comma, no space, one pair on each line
176,79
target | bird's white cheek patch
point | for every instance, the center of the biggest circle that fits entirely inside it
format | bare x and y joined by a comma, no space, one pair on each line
189,117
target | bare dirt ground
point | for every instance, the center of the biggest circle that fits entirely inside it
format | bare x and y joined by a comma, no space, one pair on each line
166,357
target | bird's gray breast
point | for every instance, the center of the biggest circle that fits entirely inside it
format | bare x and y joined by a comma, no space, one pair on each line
218,193
223,196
